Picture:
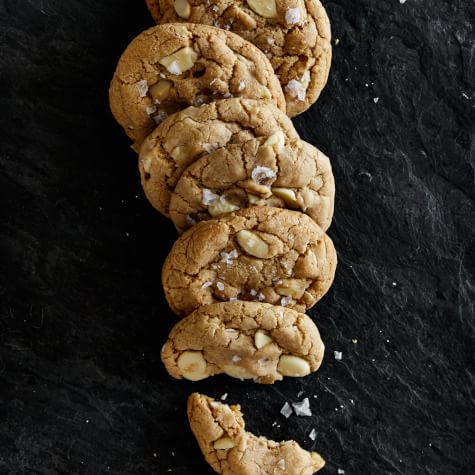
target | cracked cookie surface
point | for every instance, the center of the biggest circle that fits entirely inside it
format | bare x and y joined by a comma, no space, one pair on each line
261,254
245,340
230,450
294,34
173,66
254,173
230,154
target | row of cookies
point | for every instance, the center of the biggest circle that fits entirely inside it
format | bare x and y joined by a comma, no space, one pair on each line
234,161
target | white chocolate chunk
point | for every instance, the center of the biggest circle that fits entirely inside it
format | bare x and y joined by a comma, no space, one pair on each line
287,195
192,365
264,8
182,8
180,61
276,140
224,443
237,372
160,90
293,366
292,288
253,244
261,338
221,206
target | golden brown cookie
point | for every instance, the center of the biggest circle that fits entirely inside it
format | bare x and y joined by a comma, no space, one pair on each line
259,254
230,450
259,172
245,340
294,34
173,66
243,152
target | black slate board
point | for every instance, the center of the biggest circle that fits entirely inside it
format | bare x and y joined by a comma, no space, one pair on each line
82,314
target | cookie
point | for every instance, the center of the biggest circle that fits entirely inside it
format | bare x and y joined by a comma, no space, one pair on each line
262,254
173,66
245,340
294,34
260,172
243,150
220,432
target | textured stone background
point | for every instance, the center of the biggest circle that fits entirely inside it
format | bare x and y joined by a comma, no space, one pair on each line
82,315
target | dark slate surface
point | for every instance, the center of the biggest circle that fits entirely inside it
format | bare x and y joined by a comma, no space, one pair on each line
82,389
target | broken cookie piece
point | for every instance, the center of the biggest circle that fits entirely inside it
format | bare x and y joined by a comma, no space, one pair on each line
170,67
230,450
245,340
257,254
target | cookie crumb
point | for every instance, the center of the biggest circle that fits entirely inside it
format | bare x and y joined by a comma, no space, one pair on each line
312,435
292,16
338,355
142,87
286,410
302,408
227,257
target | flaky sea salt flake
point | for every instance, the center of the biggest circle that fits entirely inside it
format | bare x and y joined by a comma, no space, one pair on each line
292,16
338,355
284,301
160,117
174,68
208,197
227,257
312,435
286,410
142,87
260,174
302,408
